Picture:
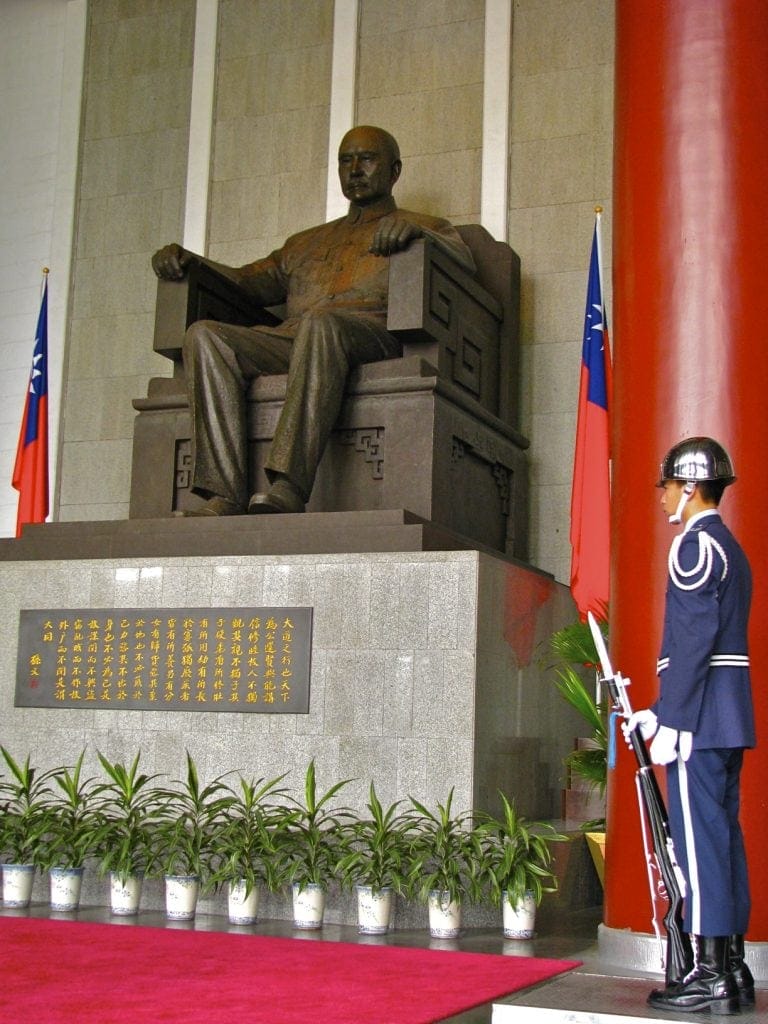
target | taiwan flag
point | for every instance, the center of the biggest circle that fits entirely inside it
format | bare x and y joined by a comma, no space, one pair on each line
30,472
591,493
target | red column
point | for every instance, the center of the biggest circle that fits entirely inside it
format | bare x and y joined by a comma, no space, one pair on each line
690,336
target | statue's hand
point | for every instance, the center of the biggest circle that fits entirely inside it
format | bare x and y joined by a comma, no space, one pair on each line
170,263
394,234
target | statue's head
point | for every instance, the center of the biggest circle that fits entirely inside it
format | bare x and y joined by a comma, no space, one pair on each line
369,164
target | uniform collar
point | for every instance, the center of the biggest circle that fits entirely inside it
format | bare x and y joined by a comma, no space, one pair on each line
695,521
365,214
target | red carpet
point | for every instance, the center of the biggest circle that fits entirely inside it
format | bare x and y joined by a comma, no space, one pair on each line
68,972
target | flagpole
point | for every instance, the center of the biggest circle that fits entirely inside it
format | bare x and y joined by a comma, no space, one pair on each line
598,230
599,246
609,379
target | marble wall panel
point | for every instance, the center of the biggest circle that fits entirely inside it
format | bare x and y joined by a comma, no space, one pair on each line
560,169
271,124
420,76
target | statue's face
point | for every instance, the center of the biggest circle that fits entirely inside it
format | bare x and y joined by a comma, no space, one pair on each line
367,168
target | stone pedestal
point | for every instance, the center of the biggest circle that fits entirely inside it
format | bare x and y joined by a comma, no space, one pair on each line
425,675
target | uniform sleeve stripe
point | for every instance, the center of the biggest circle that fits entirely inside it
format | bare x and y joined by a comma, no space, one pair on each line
716,661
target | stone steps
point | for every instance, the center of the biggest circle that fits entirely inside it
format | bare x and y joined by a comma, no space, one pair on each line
311,533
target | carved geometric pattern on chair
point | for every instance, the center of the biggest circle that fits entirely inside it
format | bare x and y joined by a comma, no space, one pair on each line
501,473
458,449
468,363
466,349
440,301
369,441
183,465
481,444
503,477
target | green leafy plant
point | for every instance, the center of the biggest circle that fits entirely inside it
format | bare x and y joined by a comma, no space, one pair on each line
245,840
445,853
376,848
191,815
72,820
129,806
23,800
575,649
310,848
516,855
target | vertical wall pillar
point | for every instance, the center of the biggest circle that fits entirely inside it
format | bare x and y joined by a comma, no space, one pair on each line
690,338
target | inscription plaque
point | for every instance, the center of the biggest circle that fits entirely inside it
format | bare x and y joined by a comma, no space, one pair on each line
169,659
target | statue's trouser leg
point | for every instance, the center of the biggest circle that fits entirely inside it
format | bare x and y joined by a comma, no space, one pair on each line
326,347
220,360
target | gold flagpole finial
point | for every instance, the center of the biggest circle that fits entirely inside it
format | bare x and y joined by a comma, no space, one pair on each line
45,270
598,209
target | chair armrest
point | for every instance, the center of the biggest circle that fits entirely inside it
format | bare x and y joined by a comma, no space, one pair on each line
203,294
441,313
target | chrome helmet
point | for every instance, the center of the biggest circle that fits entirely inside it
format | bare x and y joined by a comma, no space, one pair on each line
697,458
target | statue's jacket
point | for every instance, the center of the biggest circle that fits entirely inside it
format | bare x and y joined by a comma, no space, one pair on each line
329,267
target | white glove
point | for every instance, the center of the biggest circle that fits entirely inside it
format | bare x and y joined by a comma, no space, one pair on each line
664,747
645,720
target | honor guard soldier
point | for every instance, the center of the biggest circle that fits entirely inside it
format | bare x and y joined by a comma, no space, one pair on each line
701,724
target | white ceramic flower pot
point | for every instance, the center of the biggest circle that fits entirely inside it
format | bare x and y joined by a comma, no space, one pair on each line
444,916
308,906
181,892
17,884
242,908
374,909
519,919
124,897
65,886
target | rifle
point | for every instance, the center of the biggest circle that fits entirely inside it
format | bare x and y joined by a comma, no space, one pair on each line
665,877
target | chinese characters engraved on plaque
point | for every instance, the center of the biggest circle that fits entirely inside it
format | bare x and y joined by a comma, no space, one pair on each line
170,659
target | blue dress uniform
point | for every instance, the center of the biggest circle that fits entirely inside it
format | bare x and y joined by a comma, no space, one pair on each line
705,690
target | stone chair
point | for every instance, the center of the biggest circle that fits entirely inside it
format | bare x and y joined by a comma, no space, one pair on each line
432,432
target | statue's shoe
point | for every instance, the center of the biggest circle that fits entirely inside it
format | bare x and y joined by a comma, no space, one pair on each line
217,506
281,498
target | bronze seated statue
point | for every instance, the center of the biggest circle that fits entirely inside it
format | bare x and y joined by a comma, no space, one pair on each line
427,427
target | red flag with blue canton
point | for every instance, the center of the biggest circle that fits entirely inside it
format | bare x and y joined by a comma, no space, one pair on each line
591,493
30,472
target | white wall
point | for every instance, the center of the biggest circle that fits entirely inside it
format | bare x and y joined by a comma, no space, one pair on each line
41,61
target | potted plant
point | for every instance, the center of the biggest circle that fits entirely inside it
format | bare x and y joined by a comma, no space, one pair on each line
444,868
183,838
129,806
244,844
375,860
516,865
23,798
72,826
310,847
575,650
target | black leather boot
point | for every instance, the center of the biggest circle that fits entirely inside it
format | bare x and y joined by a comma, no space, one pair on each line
742,975
709,986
